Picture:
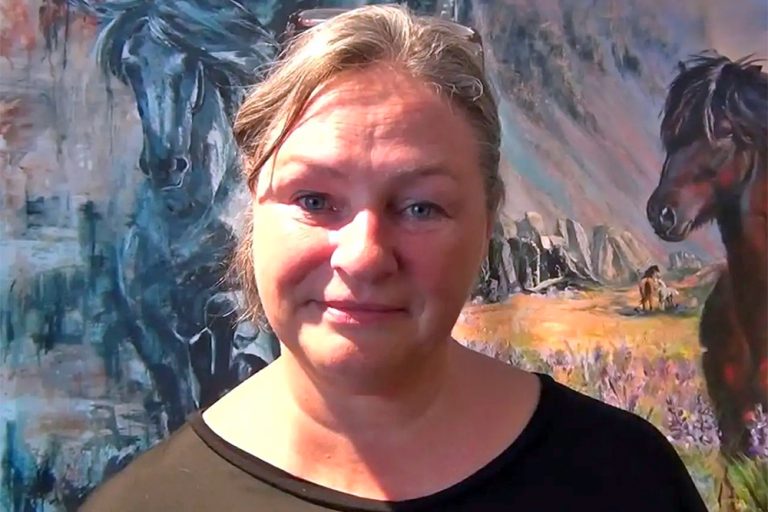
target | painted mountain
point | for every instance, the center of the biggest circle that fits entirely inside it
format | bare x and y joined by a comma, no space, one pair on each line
582,87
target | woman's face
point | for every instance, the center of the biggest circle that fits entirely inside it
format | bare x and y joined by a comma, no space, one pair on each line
369,225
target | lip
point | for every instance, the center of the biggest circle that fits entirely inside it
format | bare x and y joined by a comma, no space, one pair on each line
678,234
348,312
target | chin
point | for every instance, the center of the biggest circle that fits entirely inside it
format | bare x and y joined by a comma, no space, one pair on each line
359,354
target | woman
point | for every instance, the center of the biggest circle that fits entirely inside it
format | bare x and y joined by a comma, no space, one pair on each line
371,152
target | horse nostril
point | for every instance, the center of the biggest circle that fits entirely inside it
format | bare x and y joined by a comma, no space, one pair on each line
667,218
144,166
181,165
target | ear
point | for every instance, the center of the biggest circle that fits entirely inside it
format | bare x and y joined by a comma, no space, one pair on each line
755,69
681,66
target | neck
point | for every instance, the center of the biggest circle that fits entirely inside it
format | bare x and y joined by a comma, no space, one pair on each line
743,223
371,408
353,436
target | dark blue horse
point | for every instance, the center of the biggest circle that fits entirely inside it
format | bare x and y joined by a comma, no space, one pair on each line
187,64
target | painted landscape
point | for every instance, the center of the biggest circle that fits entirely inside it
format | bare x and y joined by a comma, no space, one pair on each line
114,321
595,342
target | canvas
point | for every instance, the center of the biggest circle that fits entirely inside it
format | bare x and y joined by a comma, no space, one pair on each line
629,261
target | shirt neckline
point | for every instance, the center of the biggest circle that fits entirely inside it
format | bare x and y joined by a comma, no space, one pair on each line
338,500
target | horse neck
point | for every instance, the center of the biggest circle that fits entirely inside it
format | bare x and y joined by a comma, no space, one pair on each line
743,219
212,132
757,190
231,86
231,97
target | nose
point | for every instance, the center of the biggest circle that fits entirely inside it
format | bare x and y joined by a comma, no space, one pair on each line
667,218
166,172
661,216
362,249
172,170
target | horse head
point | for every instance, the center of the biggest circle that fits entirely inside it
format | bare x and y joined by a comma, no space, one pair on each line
186,65
714,125
168,85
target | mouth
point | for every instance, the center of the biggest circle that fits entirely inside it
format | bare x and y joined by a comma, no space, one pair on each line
677,233
173,186
349,312
177,205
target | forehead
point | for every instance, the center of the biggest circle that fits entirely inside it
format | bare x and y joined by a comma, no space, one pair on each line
377,115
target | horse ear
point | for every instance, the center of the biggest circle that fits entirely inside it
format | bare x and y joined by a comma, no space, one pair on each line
681,66
755,69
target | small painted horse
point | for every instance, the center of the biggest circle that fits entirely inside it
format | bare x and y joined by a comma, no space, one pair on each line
667,296
715,132
649,287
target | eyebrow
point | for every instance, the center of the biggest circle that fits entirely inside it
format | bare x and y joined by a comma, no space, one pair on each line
406,173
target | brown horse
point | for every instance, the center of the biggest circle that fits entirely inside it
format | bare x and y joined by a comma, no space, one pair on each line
715,132
649,288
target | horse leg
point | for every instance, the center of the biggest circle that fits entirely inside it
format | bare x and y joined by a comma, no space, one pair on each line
726,362
644,295
755,327
747,257
757,332
751,298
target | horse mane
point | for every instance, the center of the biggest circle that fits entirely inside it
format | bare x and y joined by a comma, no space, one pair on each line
650,271
224,34
710,86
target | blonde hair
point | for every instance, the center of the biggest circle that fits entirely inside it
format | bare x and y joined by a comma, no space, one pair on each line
427,48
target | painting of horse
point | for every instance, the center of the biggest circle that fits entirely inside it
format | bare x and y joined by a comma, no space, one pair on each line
121,199
169,265
649,288
667,296
715,133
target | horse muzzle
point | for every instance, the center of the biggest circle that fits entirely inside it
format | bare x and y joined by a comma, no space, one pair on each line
165,173
666,221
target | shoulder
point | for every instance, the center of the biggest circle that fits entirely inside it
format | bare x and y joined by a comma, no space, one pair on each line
616,448
172,463
589,423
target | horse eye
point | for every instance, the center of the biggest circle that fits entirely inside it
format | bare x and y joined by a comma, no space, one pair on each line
723,129
707,172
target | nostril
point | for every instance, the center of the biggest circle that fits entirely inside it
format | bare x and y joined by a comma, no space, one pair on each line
667,217
182,164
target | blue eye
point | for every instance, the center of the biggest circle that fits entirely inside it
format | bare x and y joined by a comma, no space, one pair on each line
313,202
423,210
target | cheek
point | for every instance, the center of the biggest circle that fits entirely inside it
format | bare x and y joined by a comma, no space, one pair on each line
729,175
694,197
684,188
285,252
445,267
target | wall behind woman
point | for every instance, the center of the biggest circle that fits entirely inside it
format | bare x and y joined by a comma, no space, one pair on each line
114,325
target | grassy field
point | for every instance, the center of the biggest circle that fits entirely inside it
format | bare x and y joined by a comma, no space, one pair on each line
581,322
647,363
